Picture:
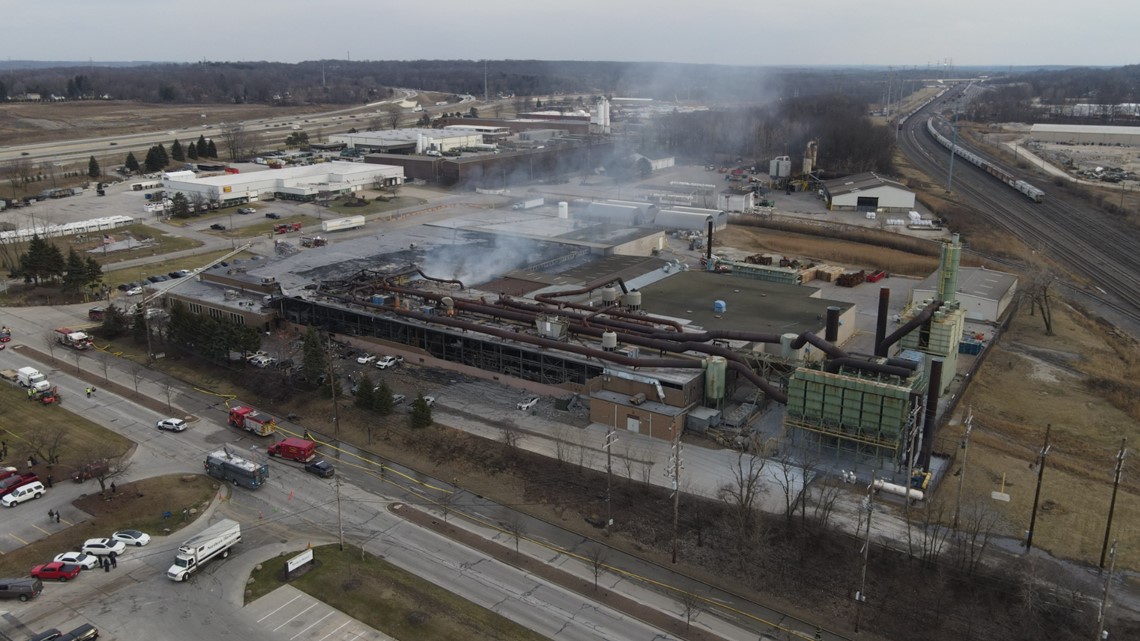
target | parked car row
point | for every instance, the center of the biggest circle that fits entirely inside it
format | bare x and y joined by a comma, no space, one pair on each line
15,488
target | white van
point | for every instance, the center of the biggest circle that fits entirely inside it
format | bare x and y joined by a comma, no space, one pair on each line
23,493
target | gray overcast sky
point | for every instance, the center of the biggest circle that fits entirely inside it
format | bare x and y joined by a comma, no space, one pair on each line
745,32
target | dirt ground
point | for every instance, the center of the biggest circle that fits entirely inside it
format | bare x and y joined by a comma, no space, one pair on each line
24,123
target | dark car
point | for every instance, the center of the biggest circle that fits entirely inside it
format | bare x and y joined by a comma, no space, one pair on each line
162,279
273,216
153,279
218,227
85,632
175,275
321,468
56,571
47,635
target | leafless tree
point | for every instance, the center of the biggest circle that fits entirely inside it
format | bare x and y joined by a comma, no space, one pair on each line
515,525
19,172
934,534
392,116
627,461
647,474
168,390
510,440
46,442
690,608
237,140
596,555
561,447
138,372
585,454
823,505
51,342
741,494
106,465
976,528
1040,296
786,474
200,202
77,354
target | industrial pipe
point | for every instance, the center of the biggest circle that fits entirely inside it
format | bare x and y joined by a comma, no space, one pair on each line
831,329
441,280
924,316
585,289
881,320
930,417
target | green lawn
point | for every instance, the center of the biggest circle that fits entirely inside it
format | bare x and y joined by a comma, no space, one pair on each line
391,600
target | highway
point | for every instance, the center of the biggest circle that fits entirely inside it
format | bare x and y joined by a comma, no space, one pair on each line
1089,244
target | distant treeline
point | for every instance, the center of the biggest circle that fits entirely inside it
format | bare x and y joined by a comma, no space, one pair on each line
1069,94
341,81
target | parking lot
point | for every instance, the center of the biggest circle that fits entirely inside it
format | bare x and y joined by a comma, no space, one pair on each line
292,615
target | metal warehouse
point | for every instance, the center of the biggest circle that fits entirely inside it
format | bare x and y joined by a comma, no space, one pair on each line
297,183
984,294
867,192
1086,134
414,140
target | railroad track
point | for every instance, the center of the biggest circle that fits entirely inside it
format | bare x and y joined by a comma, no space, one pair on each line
1093,247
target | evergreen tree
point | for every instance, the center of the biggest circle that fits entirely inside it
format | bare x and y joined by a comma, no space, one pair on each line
202,146
382,399
115,322
176,151
192,151
93,272
330,384
181,206
421,413
313,357
138,326
213,153
93,168
365,397
54,262
131,163
34,261
162,155
153,161
75,276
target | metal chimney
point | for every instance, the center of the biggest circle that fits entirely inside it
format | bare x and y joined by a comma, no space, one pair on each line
949,264
931,415
831,332
881,321
708,244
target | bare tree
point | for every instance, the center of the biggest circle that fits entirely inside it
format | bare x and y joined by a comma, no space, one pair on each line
741,494
646,474
46,442
200,202
786,475
105,465
824,504
1040,296
934,534
138,372
976,528
77,354
236,140
510,440
690,608
51,342
515,525
168,390
561,447
19,172
596,555
626,458
585,454
392,115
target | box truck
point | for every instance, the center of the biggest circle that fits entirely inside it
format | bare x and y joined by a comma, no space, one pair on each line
298,449
215,540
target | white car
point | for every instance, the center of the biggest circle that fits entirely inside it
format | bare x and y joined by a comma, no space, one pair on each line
85,561
134,291
398,398
528,403
171,424
430,400
131,537
389,361
103,547
365,359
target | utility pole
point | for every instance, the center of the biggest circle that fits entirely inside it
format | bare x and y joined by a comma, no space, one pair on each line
1100,633
674,473
339,521
333,385
1112,503
1037,492
611,438
962,472
861,595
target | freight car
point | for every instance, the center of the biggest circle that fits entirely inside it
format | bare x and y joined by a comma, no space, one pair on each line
1029,191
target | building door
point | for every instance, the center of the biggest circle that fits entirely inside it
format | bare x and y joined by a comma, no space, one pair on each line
867,203
633,424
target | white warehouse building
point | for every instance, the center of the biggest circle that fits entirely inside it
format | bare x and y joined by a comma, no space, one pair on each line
984,294
1086,134
867,192
414,140
292,183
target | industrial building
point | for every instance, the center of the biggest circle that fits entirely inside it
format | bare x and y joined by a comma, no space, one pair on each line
867,192
416,140
1086,134
304,182
984,294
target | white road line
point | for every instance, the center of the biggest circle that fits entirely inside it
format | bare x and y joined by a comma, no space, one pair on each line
336,630
331,612
282,605
296,615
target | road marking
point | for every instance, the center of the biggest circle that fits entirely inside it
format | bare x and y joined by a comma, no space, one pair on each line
335,630
18,539
41,529
282,605
331,612
296,615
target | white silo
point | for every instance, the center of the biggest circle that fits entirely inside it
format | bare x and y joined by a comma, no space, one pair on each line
563,209
419,143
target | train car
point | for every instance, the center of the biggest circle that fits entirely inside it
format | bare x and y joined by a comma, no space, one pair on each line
1029,191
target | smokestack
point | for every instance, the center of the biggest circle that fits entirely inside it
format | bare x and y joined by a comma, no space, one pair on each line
928,421
948,278
881,321
831,333
708,245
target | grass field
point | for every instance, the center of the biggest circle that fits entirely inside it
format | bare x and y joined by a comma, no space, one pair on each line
118,276
138,505
338,209
389,599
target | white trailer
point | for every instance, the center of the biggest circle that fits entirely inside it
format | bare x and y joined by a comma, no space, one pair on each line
529,204
337,224
215,540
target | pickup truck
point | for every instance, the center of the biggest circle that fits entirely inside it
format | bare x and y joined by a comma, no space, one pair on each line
389,361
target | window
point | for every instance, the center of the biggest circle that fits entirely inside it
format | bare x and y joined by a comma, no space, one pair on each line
216,314
237,319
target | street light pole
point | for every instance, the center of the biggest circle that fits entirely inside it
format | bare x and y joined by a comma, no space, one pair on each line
611,438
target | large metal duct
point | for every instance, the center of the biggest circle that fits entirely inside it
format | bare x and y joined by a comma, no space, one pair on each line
931,415
831,329
441,280
881,319
923,317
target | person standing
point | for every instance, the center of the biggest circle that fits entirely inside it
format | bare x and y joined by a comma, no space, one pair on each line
88,390
114,563
51,515
49,482
57,516
106,565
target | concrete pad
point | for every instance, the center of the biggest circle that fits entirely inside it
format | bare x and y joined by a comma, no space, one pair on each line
292,615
